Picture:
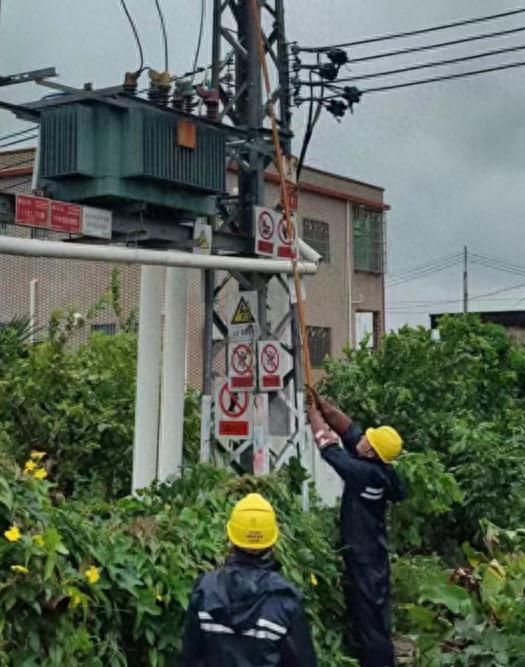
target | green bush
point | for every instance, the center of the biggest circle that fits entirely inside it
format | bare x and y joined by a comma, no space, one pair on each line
107,584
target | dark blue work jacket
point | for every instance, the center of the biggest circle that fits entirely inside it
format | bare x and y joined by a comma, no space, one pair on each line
369,484
246,615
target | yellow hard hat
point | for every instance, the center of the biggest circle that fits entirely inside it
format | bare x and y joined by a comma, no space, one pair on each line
253,524
386,442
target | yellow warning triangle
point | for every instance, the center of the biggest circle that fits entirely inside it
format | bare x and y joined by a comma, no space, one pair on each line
243,313
203,241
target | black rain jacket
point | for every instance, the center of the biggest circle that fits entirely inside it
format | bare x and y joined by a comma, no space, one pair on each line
369,484
246,615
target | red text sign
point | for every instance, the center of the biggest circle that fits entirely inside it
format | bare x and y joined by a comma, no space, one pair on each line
32,211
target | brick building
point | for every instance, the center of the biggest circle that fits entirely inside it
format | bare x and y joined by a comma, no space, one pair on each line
341,218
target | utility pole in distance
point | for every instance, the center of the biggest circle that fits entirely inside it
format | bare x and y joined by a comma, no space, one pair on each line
465,279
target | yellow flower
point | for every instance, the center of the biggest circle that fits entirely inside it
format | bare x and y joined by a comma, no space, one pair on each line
38,540
313,580
29,467
92,574
19,569
13,534
40,473
76,600
36,455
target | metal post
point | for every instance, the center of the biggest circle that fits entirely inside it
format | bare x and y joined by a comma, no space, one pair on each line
465,279
173,373
33,308
148,378
207,370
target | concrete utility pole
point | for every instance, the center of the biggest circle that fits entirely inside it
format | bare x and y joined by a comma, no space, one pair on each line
465,279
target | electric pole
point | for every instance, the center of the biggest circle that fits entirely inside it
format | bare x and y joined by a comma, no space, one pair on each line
465,279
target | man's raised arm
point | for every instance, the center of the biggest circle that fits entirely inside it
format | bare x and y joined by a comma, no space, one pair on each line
335,419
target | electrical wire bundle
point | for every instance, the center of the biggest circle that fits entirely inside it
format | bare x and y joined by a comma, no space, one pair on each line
338,94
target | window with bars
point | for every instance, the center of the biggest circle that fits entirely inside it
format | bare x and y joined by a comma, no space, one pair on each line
39,233
317,234
320,343
368,232
4,229
110,329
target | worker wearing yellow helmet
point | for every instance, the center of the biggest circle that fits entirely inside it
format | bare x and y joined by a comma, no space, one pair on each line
245,614
370,483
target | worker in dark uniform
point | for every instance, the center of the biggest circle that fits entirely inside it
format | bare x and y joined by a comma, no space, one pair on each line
370,482
245,614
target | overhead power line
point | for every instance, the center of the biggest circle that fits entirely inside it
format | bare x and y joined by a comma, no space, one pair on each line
412,33
199,39
19,141
164,34
438,45
424,270
422,82
423,265
135,34
424,274
413,68
19,133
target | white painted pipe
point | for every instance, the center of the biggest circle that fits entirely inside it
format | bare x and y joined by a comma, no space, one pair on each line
173,373
33,308
145,443
308,253
111,253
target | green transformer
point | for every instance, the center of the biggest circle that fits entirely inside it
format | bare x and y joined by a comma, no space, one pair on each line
96,153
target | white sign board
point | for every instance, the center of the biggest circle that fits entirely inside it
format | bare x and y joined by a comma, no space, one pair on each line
96,222
265,231
270,354
241,365
202,233
233,412
243,318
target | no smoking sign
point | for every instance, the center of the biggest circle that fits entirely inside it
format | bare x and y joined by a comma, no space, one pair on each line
270,354
241,366
265,231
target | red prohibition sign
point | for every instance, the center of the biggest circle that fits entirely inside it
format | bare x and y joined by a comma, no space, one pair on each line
233,403
266,225
283,232
270,358
241,360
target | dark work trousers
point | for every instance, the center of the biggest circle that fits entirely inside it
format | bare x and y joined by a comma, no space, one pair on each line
368,600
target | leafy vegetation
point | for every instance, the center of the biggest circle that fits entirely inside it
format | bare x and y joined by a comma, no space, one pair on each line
93,577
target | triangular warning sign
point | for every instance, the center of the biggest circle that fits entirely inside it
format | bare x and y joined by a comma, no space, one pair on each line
203,241
243,313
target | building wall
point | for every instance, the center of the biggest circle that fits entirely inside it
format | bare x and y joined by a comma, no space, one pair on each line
330,295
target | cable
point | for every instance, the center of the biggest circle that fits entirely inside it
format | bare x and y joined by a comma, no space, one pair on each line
199,41
424,271
135,34
413,68
423,265
17,164
411,33
20,141
21,132
14,185
421,82
422,275
164,34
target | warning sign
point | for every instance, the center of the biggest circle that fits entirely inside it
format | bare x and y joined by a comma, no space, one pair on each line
270,354
233,412
287,245
241,364
202,233
265,231
243,323
32,211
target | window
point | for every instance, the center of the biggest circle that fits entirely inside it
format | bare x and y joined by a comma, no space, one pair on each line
317,235
39,233
4,229
368,231
320,343
110,329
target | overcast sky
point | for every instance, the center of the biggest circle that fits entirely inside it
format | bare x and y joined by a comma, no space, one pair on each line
451,156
